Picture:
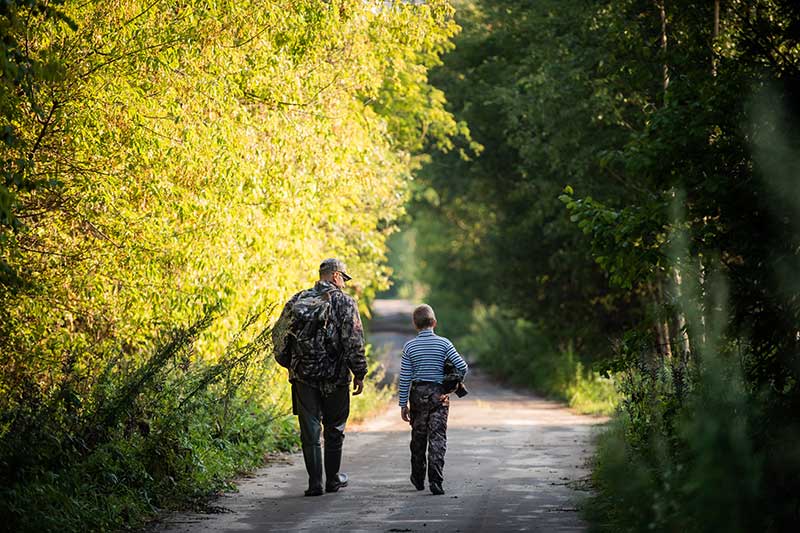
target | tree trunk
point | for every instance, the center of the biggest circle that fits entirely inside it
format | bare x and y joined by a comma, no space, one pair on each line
701,272
716,34
683,334
662,324
662,9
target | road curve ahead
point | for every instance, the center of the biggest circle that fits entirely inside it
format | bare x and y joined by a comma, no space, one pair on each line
514,462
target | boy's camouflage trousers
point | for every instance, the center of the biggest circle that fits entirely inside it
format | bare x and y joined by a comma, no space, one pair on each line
429,409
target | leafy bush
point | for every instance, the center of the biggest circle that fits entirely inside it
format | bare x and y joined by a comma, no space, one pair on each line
375,397
694,468
518,351
159,159
148,438
170,435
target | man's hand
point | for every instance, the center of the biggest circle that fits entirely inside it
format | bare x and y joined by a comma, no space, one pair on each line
404,414
358,386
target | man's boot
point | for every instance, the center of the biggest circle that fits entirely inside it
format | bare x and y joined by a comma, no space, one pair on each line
334,480
312,455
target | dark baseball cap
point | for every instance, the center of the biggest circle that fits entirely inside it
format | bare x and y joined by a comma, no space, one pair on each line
334,265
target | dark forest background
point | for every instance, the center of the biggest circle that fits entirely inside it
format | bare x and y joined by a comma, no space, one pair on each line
626,213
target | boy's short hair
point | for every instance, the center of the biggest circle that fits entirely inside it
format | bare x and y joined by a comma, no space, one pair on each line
424,316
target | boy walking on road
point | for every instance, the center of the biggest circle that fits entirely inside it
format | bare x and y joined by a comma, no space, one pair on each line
422,371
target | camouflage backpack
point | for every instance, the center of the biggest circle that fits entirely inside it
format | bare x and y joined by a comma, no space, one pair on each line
311,334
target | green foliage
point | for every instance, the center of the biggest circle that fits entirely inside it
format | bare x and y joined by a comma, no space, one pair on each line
690,466
170,430
160,159
521,353
403,260
677,134
690,423
627,243
375,396
489,225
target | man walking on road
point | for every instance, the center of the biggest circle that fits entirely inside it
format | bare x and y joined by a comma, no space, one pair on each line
422,370
320,339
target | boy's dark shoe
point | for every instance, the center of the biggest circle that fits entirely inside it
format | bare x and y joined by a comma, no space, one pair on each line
436,488
338,482
419,485
313,491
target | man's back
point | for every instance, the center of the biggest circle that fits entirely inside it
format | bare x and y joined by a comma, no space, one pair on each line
319,338
343,338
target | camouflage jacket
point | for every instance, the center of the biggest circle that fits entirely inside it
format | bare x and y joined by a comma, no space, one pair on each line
348,339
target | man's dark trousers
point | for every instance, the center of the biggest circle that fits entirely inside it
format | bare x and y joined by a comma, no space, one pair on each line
429,409
331,411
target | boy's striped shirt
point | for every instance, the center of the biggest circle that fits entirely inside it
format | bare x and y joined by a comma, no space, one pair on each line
423,360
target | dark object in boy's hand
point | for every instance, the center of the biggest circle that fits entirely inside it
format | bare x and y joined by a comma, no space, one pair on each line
453,380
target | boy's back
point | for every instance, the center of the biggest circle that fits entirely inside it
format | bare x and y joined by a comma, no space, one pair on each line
423,360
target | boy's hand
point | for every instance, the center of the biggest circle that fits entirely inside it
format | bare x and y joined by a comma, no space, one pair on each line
358,386
404,414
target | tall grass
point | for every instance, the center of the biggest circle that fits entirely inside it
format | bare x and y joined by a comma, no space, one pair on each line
518,351
141,439
377,394
693,467
165,435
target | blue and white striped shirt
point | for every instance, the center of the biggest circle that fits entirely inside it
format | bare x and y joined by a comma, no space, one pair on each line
423,360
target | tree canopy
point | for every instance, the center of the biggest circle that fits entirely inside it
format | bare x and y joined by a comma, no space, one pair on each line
635,198
164,158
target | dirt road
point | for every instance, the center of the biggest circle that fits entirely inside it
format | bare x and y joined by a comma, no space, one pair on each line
513,464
